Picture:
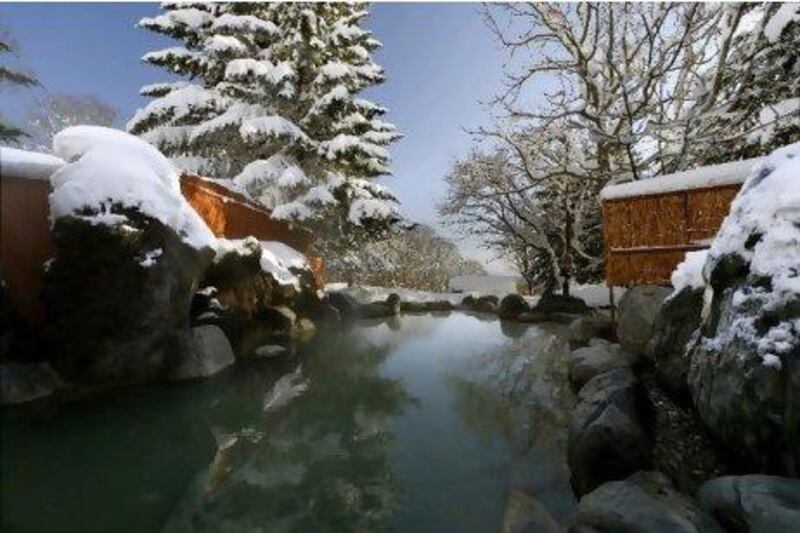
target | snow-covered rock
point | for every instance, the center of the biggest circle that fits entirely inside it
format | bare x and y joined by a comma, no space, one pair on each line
110,172
745,367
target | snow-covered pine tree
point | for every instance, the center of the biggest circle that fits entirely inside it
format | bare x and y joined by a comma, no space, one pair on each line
757,106
13,77
272,102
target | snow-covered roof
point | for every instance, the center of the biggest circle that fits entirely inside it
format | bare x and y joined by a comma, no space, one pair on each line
23,164
732,173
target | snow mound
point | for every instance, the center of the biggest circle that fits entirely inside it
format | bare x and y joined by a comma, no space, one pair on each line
731,173
277,259
107,167
689,273
27,165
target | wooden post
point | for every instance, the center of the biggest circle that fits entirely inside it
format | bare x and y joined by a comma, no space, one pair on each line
613,306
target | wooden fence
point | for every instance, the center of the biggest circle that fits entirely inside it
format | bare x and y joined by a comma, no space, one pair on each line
646,236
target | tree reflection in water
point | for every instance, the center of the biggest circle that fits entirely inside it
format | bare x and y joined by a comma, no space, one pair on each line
522,391
320,463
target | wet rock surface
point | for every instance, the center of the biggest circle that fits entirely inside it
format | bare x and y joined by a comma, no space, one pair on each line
206,352
597,324
609,436
674,327
753,503
645,502
22,382
638,309
598,357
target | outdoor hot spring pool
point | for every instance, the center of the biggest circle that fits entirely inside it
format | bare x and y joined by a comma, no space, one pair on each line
422,423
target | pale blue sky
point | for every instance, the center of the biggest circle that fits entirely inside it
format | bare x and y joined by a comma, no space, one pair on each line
440,59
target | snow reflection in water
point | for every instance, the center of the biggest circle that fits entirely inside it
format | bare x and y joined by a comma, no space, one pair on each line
425,423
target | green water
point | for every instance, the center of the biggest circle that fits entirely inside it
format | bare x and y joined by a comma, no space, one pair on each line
423,423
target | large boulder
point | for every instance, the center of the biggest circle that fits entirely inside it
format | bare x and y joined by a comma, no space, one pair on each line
481,304
118,296
598,357
749,504
643,503
675,324
608,435
511,306
388,308
744,376
344,303
242,284
550,302
587,327
206,353
20,383
638,309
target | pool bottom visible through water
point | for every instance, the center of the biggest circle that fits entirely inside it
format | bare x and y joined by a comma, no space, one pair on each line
454,422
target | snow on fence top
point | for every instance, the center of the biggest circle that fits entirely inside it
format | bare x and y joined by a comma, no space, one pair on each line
732,173
22,164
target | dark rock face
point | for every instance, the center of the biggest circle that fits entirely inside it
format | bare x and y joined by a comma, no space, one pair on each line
608,435
559,303
587,327
118,297
344,303
638,308
752,407
242,285
21,383
597,358
207,351
388,308
745,504
482,304
511,306
674,326
646,503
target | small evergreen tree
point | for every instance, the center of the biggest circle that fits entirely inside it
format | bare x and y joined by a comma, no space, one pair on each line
271,102
12,77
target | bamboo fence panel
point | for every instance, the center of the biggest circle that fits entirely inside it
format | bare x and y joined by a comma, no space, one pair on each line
647,236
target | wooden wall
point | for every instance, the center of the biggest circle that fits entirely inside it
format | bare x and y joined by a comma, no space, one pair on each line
647,236
234,216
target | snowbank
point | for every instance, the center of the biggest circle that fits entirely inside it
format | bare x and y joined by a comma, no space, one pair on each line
107,167
27,165
689,273
731,173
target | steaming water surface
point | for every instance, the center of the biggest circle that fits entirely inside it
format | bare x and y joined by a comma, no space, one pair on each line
423,423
